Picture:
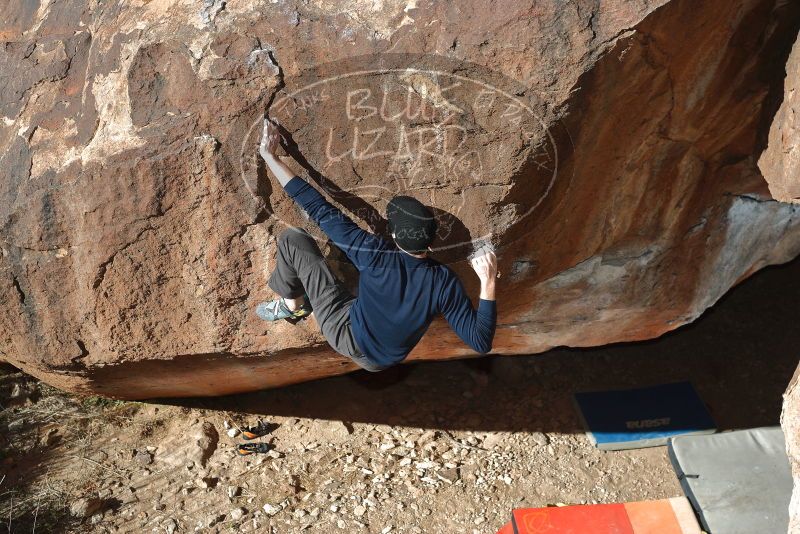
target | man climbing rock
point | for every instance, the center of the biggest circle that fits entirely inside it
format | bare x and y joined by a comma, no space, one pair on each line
400,288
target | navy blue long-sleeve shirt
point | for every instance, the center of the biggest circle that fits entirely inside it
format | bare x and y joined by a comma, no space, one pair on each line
398,294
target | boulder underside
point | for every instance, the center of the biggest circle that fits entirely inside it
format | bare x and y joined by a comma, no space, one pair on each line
608,151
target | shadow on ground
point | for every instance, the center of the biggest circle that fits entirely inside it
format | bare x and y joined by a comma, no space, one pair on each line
28,501
740,356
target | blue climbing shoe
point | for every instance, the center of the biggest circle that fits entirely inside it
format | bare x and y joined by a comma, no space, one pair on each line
275,310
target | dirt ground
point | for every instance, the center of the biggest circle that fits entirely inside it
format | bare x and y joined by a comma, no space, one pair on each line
447,447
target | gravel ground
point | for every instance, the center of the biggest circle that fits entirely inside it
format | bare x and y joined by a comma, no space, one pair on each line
448,447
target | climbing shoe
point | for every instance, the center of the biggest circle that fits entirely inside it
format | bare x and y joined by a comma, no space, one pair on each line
254,432
246,449
277,309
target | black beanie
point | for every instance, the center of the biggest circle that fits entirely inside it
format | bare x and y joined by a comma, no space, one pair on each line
412,223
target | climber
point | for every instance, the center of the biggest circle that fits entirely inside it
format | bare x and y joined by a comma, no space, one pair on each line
401,289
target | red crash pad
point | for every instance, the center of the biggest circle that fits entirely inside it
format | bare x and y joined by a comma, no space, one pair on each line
668,516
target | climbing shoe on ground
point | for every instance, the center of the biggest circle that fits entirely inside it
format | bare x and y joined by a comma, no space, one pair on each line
246,449
275,310
254,432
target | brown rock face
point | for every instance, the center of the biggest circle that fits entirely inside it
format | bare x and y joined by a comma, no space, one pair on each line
607,150
780,163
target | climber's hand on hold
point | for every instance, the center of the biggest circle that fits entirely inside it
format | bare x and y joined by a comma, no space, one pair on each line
270,141
485,265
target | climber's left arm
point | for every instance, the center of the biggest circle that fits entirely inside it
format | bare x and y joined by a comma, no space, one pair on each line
360,246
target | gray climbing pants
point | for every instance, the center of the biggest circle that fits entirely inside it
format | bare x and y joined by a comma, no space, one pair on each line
301,269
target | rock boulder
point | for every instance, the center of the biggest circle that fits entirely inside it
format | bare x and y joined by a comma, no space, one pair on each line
608,151
780,163
790,421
